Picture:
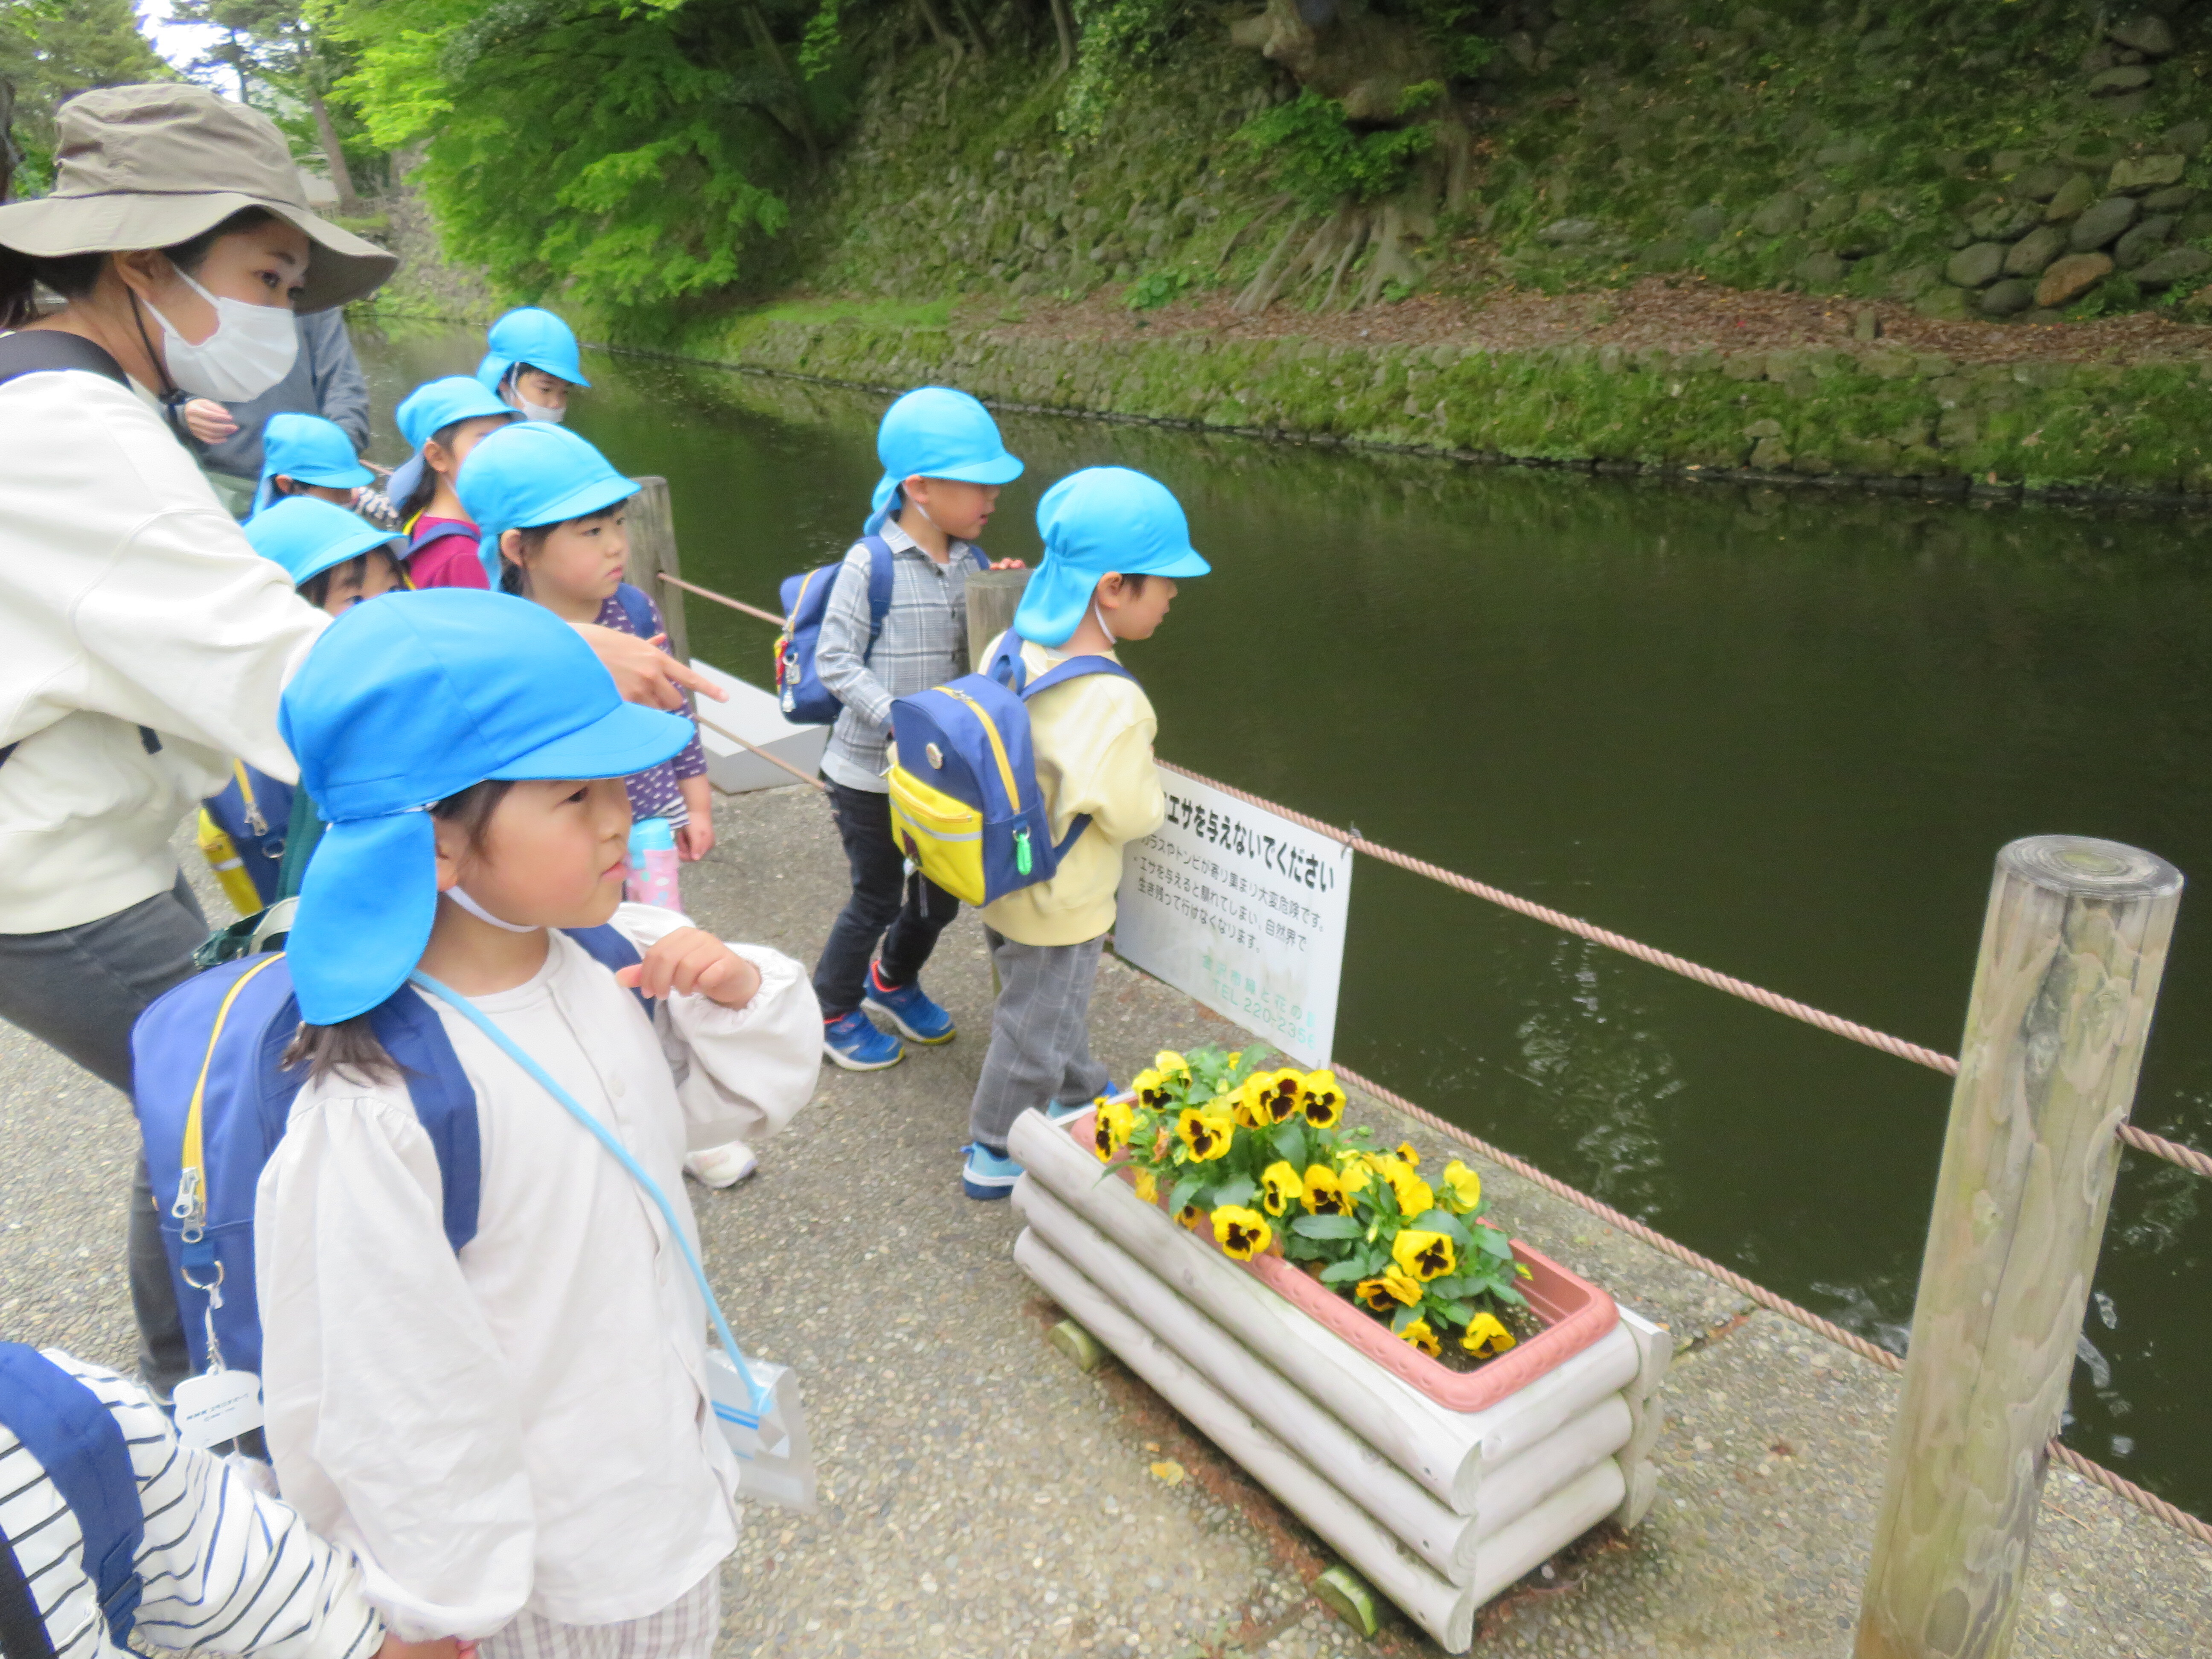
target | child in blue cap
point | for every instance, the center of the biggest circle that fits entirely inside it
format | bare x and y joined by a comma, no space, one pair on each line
443,420
307,455
515,1438
550,512
336,559
944,463
1116,545
533,364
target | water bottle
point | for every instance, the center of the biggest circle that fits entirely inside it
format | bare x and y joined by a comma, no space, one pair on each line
653,864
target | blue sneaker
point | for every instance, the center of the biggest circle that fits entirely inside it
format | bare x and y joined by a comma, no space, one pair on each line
855,1042
1059,1111
987,1175
908,1008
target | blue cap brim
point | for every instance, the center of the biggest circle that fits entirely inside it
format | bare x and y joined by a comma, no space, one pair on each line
1000,469
1186,563
366,907
586,499
365,540
626,739
331,478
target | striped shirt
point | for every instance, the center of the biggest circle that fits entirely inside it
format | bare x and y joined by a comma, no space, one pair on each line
924,643
224,1568
657,791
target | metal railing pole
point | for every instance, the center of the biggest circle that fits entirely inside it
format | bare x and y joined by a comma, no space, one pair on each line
2073,948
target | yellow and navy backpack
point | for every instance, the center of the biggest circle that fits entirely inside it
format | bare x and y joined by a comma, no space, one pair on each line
965,805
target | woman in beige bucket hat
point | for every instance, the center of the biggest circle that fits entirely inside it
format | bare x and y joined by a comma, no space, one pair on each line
143,644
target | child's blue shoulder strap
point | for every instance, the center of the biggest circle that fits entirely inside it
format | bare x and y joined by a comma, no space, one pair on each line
879,587
420,536
1007,667
445,1103
639,609
64,1424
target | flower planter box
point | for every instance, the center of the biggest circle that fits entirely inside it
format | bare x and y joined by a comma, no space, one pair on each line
1439,1507
1575,1314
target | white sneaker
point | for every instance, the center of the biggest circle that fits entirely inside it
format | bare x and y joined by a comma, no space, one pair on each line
721,1166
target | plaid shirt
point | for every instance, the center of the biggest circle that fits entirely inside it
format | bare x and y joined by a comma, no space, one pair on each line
924,643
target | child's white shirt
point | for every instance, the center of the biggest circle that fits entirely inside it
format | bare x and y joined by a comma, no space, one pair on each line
525,1422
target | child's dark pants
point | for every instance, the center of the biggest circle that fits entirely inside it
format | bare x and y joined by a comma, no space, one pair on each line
915,910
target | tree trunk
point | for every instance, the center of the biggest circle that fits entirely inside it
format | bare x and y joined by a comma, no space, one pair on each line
327,134
1064,21
765,38
945,38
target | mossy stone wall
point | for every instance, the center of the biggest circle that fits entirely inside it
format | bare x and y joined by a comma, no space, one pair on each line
1875,413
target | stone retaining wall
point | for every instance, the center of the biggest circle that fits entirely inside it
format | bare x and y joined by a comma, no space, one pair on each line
1873,416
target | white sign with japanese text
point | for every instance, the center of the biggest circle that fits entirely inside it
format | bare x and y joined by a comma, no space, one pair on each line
1243,910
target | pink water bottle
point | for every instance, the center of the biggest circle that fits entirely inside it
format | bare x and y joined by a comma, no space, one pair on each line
653,864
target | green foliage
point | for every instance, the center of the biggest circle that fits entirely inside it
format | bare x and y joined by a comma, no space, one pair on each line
629,154
1157,287
1317,155
1120,39
51,50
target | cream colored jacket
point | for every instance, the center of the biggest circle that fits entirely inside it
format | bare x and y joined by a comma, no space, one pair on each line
1092,739
128,598
525,1422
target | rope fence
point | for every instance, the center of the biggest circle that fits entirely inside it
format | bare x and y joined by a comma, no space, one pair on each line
2187,1157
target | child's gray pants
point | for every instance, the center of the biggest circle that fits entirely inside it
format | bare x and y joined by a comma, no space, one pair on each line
1040,1035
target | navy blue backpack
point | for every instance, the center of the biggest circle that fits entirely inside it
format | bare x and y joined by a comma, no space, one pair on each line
78,1444
212,1096
799,689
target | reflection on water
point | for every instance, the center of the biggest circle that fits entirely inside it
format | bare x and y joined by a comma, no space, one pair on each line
1780,732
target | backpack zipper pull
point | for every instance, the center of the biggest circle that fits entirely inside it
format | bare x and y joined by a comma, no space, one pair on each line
1022,862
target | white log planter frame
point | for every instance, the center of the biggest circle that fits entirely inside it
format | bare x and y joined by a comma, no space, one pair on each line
1439,1509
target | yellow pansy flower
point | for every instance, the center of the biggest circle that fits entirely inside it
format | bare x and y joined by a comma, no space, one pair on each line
1324,1191
1410,1153
1148,1186
1271,1097
1357,1169
1240,1232
1171,1066
1486,1335
1422,1337
1424,1255
1415,1196
1280,1188
1206,1132
1462,1188
1191,1216
1151,1090
1393,1286
1109,1128
1322,1100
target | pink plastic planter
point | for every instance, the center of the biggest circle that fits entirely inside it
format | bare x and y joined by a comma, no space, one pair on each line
1574,1313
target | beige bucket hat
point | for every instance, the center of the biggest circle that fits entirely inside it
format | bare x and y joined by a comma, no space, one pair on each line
152,165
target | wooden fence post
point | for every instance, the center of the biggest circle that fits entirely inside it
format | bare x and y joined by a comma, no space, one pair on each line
2072,950
651,550
993,597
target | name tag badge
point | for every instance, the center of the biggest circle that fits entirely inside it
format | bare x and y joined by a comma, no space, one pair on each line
216,1408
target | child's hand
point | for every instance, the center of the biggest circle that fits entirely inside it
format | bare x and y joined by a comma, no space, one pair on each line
693,960
208,421
1007,564
695,839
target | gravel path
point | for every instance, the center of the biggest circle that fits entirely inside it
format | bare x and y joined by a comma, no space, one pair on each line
980,1497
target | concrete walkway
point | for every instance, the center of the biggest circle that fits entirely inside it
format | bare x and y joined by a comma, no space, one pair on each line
980,1497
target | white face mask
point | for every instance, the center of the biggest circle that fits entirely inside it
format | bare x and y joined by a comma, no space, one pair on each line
252,349
540,411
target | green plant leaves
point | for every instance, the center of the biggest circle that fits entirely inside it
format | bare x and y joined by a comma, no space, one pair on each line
1328,1226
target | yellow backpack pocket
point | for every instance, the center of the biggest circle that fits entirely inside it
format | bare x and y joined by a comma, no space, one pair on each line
943,836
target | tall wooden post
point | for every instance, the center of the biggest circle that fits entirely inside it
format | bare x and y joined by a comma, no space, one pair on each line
993,597
652,526
2072,950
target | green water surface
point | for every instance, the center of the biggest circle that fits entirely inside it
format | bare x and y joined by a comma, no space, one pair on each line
1782,733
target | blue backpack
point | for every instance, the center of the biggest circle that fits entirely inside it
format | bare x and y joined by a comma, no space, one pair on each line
80,1445
212,1096
965,800
798,689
